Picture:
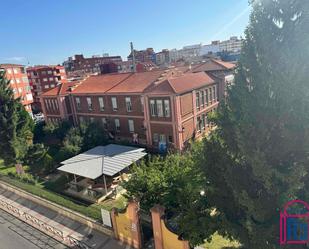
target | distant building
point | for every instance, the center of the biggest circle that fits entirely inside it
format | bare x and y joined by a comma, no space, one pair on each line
43,78
19,83
163,57
232,45
79,65
174,55
143,55
212,48
127,67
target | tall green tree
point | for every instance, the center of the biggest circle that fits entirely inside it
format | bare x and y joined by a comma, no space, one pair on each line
15,125
257,159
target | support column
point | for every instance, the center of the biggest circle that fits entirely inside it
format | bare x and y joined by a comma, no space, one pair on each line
156,214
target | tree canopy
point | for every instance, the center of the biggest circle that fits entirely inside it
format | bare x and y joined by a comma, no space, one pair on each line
16,125
257,159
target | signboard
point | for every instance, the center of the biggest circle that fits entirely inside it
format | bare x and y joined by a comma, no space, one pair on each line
106,217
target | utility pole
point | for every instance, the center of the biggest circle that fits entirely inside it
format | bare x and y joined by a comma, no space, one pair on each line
133,58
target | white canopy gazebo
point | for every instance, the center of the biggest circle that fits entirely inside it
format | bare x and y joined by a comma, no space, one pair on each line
102,161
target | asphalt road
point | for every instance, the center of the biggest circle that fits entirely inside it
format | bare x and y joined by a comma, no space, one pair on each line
15,234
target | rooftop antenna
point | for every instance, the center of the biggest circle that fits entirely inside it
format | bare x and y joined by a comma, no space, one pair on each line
133,58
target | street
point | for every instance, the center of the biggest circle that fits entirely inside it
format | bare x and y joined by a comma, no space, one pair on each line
15,234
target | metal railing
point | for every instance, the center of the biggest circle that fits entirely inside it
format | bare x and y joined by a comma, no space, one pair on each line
42,226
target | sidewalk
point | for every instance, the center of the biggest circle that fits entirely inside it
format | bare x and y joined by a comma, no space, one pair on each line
62,226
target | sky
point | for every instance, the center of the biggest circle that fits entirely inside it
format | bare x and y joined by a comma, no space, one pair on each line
48,31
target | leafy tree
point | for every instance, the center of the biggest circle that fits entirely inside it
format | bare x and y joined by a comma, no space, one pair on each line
257,159
93,135
15,125
175,183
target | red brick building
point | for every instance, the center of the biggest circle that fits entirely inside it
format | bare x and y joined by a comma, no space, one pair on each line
79,65
149,108
19,83
42,79
143,55
127,67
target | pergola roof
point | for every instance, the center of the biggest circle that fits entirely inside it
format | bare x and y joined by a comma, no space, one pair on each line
107,160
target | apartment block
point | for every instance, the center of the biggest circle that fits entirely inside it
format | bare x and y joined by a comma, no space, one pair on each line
19,83
145,55
78,65
42,79
157,108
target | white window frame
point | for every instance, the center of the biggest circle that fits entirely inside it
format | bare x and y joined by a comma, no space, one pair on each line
117,124
142,103
89,104
167,110
159,104
104,122
128,104
101,104
131,125
114,103
152,104
78,104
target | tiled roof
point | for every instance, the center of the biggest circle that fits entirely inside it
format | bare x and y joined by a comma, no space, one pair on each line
212,65
181,84
43,67
190,81
137,82
61,89
100,83
10,65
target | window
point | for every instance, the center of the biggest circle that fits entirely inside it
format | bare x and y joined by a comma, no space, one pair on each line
101,104
198,123
92,119
142,103
197,100
202,98
117,124
167,111
210,95
128,104
159,108
44,79
206,96
131,125
17,80
9,71
203,122
155,137
12,81
15,70
56,105
170,138
52,85
162,138
51,79
20,89
152,108
49,72
46,86
89,103
77,103
214,93
104,122
114,104
81,120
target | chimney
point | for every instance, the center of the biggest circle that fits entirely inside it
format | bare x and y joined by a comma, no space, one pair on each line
133,57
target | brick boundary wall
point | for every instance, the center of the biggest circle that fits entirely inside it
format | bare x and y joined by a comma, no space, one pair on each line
61,210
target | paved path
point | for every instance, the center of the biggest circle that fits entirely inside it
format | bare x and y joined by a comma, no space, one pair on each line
16,234
92,238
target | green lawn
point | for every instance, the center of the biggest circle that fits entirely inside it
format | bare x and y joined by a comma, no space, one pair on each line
218,242
92,211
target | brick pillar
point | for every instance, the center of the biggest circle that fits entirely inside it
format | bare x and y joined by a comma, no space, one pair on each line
156,214
132,211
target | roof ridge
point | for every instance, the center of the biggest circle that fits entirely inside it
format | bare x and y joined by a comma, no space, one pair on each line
119,82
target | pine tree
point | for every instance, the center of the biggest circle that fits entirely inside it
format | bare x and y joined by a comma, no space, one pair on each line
257,159
15,125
